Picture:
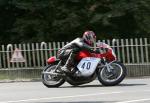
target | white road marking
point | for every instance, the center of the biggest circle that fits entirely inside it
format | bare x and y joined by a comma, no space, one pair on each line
60,97
132,101
83,95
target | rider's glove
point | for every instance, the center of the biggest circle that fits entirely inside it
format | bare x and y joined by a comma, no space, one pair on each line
75,50
97,51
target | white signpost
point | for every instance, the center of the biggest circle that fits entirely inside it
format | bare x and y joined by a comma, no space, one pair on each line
17,56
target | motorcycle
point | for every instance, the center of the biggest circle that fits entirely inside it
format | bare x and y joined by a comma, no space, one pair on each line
87,67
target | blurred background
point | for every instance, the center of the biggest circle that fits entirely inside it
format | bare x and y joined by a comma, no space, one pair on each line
24,21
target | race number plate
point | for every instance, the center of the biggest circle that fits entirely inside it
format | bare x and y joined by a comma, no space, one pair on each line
88,65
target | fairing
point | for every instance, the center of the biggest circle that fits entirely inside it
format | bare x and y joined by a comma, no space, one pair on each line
83,54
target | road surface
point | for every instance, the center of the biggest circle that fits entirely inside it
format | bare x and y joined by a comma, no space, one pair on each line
129,91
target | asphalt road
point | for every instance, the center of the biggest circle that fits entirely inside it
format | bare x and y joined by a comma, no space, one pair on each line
129,91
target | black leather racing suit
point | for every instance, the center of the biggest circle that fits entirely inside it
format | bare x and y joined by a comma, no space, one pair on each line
75,46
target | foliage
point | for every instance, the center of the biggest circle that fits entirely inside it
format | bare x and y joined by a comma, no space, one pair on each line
64,20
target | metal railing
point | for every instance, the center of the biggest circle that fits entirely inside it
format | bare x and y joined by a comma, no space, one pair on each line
134,53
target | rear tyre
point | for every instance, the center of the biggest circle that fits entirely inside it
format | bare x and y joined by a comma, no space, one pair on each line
51,80
117,74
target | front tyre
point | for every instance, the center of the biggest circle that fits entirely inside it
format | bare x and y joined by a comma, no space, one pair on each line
113,77
51,80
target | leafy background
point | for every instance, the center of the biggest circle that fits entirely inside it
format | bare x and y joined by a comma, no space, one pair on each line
24,21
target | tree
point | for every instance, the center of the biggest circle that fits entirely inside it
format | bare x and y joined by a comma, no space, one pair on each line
63,20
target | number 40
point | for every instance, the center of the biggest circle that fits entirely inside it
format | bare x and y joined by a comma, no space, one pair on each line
86,65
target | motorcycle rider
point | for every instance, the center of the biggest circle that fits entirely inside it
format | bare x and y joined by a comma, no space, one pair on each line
87,41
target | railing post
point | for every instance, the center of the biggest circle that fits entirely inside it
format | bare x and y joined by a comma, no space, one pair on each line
128,53
9,47
4,58
29,54
25,54
113,44
50,49
118,49
1,51
123,50
146,49
54,48
137,51
17,63
132,51
33,55
43,47
141,45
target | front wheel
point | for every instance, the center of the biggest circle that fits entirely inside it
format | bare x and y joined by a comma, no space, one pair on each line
51,80
112,76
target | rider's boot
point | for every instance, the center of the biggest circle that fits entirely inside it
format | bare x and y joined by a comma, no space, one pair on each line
68,66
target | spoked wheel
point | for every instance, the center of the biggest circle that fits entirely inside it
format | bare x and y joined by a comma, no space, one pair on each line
113,77
49,79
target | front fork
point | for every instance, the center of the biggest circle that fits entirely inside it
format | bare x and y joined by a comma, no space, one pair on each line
58,65
56,72
107,65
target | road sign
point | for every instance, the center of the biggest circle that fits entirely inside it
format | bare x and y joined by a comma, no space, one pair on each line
17,56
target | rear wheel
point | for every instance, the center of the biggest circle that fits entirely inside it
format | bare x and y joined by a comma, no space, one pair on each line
113,77
51,80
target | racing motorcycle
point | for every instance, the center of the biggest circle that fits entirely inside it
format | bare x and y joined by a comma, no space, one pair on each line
87,67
